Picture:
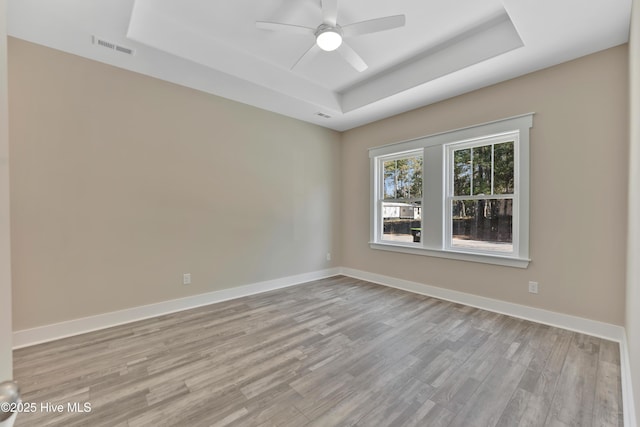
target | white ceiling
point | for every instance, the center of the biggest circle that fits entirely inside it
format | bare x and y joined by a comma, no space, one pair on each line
446,47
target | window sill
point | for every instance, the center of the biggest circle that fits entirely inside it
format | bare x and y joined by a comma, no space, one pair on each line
462,256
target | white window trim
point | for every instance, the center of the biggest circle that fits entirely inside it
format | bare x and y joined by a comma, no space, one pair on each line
436,179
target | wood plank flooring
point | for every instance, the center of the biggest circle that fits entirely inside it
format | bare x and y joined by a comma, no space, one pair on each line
328,353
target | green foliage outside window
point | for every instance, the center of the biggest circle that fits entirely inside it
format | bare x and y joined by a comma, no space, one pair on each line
403,178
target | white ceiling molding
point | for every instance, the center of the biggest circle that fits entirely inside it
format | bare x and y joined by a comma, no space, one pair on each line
486,40
152,27
441,52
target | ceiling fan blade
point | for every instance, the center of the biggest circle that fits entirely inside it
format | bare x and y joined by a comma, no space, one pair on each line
352,57
330,12
308,55
278,26
373,25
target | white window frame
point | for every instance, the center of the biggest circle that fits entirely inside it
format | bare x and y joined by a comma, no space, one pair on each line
437,150
380,167
449,197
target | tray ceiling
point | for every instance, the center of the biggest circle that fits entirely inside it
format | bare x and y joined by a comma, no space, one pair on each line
445,48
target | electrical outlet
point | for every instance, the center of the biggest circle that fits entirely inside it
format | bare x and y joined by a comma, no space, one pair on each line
328,256
533,287
186,279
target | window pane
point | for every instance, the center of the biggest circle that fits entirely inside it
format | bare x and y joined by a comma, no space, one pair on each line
483,224
403,178
503,168
390,179
462,172
482,170
401,222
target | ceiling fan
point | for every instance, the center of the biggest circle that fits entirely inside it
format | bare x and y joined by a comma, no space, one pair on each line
329,35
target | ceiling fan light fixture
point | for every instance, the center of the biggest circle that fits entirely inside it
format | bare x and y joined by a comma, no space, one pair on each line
329,34
329,39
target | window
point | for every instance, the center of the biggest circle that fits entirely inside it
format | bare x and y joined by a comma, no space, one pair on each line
481,195
462,194
401,197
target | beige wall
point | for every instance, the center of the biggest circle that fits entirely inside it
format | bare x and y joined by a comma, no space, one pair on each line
633,255
578,188
120,183
5,253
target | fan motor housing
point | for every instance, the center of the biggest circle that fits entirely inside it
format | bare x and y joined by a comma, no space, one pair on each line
328,37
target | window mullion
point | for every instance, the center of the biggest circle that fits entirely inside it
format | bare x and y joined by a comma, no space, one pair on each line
483,197
492,165
395,178
471,180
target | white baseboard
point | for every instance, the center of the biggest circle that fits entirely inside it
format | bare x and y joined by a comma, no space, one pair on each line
38,335
564,321
628,403
28,337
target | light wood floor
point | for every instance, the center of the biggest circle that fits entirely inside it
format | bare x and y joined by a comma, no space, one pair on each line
333,352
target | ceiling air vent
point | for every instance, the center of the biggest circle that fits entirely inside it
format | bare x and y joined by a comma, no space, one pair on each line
123,49
323,115
110,45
